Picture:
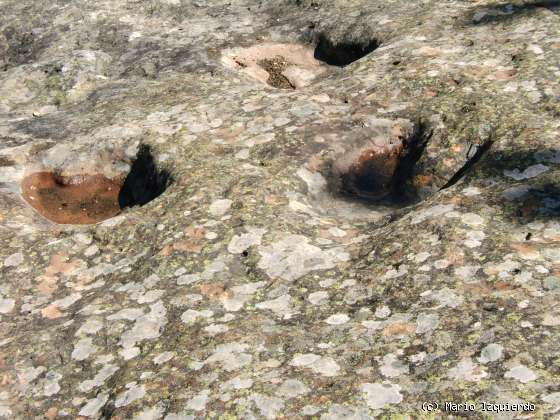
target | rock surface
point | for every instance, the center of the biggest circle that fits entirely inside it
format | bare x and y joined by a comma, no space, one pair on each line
252,287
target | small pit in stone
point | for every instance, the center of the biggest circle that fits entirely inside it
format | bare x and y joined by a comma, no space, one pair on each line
283,66
343,53
293,66
91,198
371,176
144,182
381,169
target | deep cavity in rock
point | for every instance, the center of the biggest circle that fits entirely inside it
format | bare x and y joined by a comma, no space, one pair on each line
371,176
381,168
344,53
91,198
144,182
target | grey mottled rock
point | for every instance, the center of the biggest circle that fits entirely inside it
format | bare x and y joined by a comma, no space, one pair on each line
267,280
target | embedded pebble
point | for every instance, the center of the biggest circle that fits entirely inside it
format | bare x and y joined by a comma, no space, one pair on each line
133,393
392,367
163,357
94,406
7,305
240,243
426,322
292,388
318,298
530,172
467,370
491,353
337,319
220,207
198,402
521,373
292,257
13,260
379,395
83,349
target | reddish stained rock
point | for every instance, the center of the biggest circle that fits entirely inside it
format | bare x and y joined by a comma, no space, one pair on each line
52,413
371,175
526,251
188,245
505,74
429,51
275,200
79,200
399,329
215,291
48,285
51,312
230,134
195,240
60,264
422,180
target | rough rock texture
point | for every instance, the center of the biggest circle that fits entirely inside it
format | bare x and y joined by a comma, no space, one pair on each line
250,288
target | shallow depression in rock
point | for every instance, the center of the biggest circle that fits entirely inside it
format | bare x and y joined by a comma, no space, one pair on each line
283,66
293,66
72,200
91,198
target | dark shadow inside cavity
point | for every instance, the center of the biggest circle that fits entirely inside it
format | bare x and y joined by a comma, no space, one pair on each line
372,177
386,179
144,182
344,53
403,190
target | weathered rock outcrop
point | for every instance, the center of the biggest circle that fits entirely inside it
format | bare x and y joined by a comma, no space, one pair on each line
350,235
